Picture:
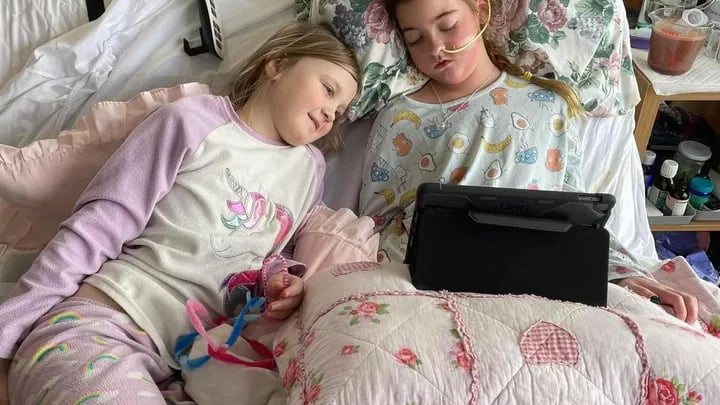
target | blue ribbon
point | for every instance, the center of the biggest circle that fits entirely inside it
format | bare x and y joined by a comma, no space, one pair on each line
185,342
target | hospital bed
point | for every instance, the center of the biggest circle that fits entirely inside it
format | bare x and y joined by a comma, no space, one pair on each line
61,67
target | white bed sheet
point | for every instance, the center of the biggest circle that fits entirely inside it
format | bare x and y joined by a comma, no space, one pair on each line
130,48
26,24
611,164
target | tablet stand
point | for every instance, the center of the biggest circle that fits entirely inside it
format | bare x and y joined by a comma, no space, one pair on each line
211,38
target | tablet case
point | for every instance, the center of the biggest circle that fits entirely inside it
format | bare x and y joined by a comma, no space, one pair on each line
509,241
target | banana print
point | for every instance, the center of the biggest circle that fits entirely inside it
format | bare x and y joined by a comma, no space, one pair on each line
406,115
500,138
496,147
407,198
396,226
389,195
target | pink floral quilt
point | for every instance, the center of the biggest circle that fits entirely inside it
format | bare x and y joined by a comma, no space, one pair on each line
364,335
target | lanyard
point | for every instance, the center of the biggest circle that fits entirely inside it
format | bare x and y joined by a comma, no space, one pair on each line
197,313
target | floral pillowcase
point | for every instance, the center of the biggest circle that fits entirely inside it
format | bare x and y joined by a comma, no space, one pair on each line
582,42
365,26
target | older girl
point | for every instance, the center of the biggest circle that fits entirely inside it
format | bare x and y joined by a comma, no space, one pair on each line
479,120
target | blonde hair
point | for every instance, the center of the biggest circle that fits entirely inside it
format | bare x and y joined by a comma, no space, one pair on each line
291,43
499,59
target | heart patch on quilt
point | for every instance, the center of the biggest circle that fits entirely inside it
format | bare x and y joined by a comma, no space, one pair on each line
547,343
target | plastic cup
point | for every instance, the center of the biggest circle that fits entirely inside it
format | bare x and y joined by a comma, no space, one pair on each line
674,44
681,3
713,11
648,6
712,48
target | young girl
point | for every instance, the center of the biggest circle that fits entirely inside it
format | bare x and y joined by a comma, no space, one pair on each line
204,188
480,120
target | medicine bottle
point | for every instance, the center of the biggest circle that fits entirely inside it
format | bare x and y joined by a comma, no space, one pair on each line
677,199
647,167
691,156
663,184
700,190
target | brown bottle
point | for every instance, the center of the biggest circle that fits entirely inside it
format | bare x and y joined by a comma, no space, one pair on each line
677,199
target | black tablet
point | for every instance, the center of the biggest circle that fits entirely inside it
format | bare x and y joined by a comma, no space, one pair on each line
510,241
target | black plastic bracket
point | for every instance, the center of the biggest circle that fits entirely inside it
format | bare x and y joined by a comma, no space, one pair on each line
95,8
211,39
202,48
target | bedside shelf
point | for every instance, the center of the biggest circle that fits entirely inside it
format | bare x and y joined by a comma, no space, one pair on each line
692,226
698,93
651,97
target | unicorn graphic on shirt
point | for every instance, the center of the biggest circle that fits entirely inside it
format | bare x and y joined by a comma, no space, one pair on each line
249,212
251,207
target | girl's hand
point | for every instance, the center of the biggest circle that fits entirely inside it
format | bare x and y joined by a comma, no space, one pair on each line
685,306
282,300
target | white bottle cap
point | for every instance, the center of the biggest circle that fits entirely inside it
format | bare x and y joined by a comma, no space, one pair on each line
649,158
693,18
669,168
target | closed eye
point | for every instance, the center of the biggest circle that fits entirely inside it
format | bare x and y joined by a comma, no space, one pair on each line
413,42
449,28
329,90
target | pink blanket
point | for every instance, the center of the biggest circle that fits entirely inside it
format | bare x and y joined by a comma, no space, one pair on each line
40,183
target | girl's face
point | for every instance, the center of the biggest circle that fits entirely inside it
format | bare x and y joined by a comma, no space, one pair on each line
307,97
430,27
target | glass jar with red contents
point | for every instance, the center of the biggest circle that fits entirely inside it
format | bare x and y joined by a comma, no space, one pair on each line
675,42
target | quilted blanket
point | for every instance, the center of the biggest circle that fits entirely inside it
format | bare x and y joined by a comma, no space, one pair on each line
364,335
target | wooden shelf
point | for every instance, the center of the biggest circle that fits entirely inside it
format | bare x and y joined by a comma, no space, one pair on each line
692,227
706,104
646,110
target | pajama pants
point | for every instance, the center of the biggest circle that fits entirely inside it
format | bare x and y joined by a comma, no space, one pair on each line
85,352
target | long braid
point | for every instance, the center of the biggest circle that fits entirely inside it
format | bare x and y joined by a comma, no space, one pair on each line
498,58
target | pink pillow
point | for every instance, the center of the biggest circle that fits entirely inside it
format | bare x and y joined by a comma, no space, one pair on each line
329,238
40,183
